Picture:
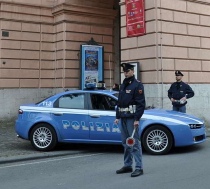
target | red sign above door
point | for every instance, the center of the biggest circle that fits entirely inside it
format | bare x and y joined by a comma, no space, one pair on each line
135,18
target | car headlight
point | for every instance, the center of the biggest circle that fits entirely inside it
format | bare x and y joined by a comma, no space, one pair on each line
195,126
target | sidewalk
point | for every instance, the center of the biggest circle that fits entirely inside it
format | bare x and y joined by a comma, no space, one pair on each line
15,149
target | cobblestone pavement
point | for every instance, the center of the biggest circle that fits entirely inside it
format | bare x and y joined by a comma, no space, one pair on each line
13,149
10,144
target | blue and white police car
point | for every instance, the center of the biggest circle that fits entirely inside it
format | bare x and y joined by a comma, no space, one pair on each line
87,116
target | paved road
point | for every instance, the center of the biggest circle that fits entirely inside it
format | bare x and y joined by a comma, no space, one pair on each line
185,168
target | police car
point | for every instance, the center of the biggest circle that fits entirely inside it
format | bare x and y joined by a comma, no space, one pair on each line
87,116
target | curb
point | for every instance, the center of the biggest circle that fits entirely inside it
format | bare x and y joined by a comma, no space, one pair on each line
42,155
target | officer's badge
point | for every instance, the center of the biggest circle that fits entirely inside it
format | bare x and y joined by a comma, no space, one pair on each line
128,91
140,91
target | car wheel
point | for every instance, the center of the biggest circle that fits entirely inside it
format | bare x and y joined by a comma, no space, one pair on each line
43,137
157,140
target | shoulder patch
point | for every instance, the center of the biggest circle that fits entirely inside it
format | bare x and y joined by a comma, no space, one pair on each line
140,91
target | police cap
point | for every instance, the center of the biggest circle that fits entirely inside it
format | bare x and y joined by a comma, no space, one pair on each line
127,67
178,73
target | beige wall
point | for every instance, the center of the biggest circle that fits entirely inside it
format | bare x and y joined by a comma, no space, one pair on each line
42,50
177,38
43,46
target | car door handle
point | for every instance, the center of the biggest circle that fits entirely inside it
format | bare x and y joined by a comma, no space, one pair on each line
58,114
95,116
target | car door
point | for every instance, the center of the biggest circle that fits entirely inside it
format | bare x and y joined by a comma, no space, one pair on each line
101,119
71,114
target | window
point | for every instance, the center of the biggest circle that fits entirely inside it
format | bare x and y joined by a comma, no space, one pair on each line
71,101
102,102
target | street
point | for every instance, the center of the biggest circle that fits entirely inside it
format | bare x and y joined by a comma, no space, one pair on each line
184,168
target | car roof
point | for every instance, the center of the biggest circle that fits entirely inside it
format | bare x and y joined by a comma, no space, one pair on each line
107,92
89,91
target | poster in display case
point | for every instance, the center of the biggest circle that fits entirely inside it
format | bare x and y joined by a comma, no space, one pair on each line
91,65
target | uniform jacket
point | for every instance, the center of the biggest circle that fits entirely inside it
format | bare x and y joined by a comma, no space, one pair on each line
131,93
179,90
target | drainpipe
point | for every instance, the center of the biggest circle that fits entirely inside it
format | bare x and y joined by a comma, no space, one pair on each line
159,57
120,38
55,59
64,58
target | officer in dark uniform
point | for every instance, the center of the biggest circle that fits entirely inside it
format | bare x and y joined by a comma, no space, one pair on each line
130,108
179,92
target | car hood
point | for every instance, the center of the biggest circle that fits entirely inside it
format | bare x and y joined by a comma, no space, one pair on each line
172,116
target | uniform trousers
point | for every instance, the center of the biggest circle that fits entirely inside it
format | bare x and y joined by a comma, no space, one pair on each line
180,108
134,152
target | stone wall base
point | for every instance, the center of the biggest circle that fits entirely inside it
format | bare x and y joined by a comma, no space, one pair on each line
11,99
156,96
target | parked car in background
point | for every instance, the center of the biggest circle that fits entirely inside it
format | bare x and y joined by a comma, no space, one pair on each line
87,116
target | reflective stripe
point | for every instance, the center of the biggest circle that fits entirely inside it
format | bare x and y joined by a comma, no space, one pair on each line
123,109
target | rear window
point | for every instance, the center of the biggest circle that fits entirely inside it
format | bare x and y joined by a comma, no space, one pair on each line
71,101
43,100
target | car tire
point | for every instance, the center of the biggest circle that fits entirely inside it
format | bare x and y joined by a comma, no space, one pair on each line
157,140
43,137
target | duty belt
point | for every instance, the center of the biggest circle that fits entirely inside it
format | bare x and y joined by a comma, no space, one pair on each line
180,101
130,109
123,109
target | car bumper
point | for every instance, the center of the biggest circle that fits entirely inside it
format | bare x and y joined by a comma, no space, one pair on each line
22,129
191,137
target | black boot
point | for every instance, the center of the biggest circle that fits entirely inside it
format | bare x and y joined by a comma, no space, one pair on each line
124,170
137,173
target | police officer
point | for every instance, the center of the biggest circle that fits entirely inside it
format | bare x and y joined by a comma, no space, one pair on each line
130,108
179,92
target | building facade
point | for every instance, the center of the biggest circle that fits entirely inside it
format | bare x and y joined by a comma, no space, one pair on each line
40,48
177,38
